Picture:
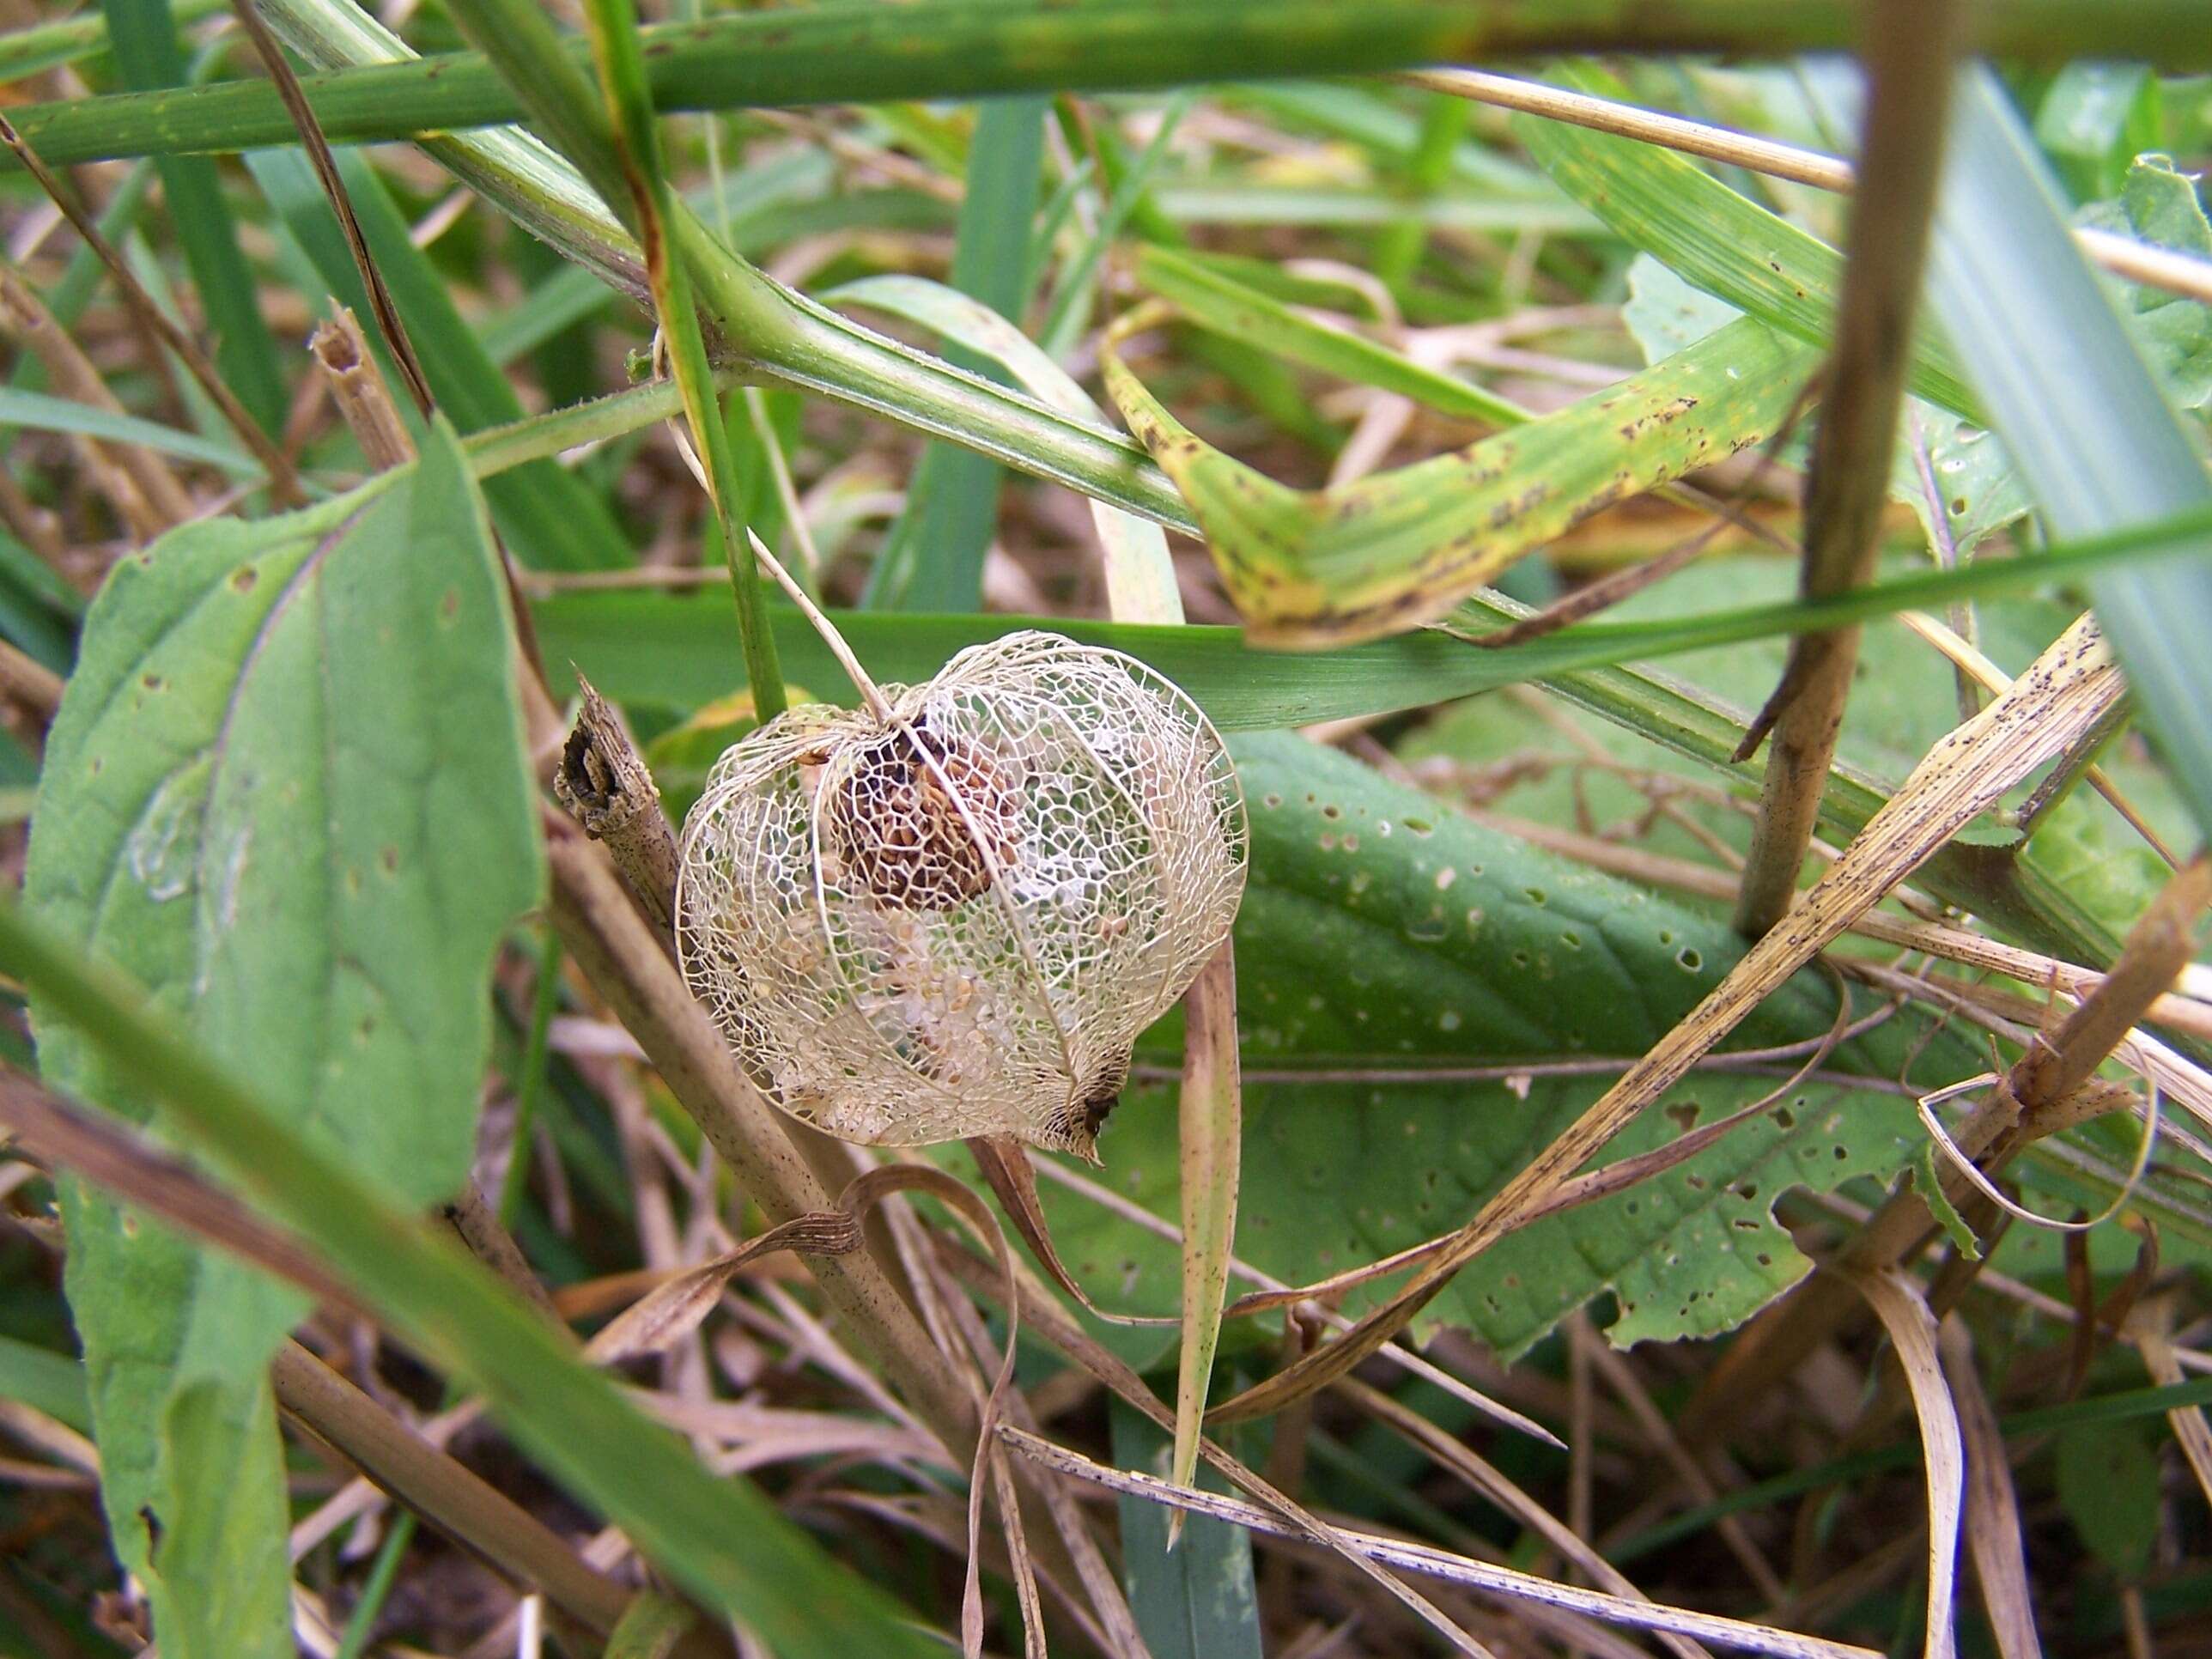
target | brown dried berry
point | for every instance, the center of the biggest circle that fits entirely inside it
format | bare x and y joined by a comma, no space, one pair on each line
899,833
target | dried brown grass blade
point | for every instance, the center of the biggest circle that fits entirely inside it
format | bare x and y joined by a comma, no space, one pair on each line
1442,1565
1004,1163
1045,1320
2060,697
2152,1331
1460,1459
1993,1532
1897,1301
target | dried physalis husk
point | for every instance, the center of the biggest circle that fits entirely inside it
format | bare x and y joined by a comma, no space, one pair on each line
955,920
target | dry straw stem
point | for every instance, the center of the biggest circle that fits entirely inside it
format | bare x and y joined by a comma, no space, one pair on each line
2151,1327
284,481
1453,1454
364,405
628,966
1737,1634
1897,1301
2049,707
2138,262
2046,1079
460,1504
29,683
1993,1530
326,172
1909,47
606,787
145,494
1042,1317
1969,661
479,1230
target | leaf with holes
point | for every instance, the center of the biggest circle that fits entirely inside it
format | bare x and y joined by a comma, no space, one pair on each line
286,790
1381,933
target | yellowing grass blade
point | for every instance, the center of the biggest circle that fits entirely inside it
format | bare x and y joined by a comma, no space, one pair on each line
1395,551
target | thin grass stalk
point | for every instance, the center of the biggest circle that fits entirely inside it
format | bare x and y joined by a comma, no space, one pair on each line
637,141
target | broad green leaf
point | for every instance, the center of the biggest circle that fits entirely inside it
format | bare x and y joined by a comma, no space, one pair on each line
1721,242
2158,203
2099,446
2108,1482
1389,552
1382,933
716,1536
1193,1597
286,791
2094,120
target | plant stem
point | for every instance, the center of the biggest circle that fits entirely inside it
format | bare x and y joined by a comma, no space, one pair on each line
1909,47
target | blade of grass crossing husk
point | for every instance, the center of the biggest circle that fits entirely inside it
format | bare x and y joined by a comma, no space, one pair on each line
621,75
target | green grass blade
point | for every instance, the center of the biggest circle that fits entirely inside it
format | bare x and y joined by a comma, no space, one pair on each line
1219,301
1141,578
218,811
1197,1600
637,140
791,340
1713,237
145,34
966,49
664,649
44,45
40,412
1076,289
933,559
2098,445
44,1381
716,1536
